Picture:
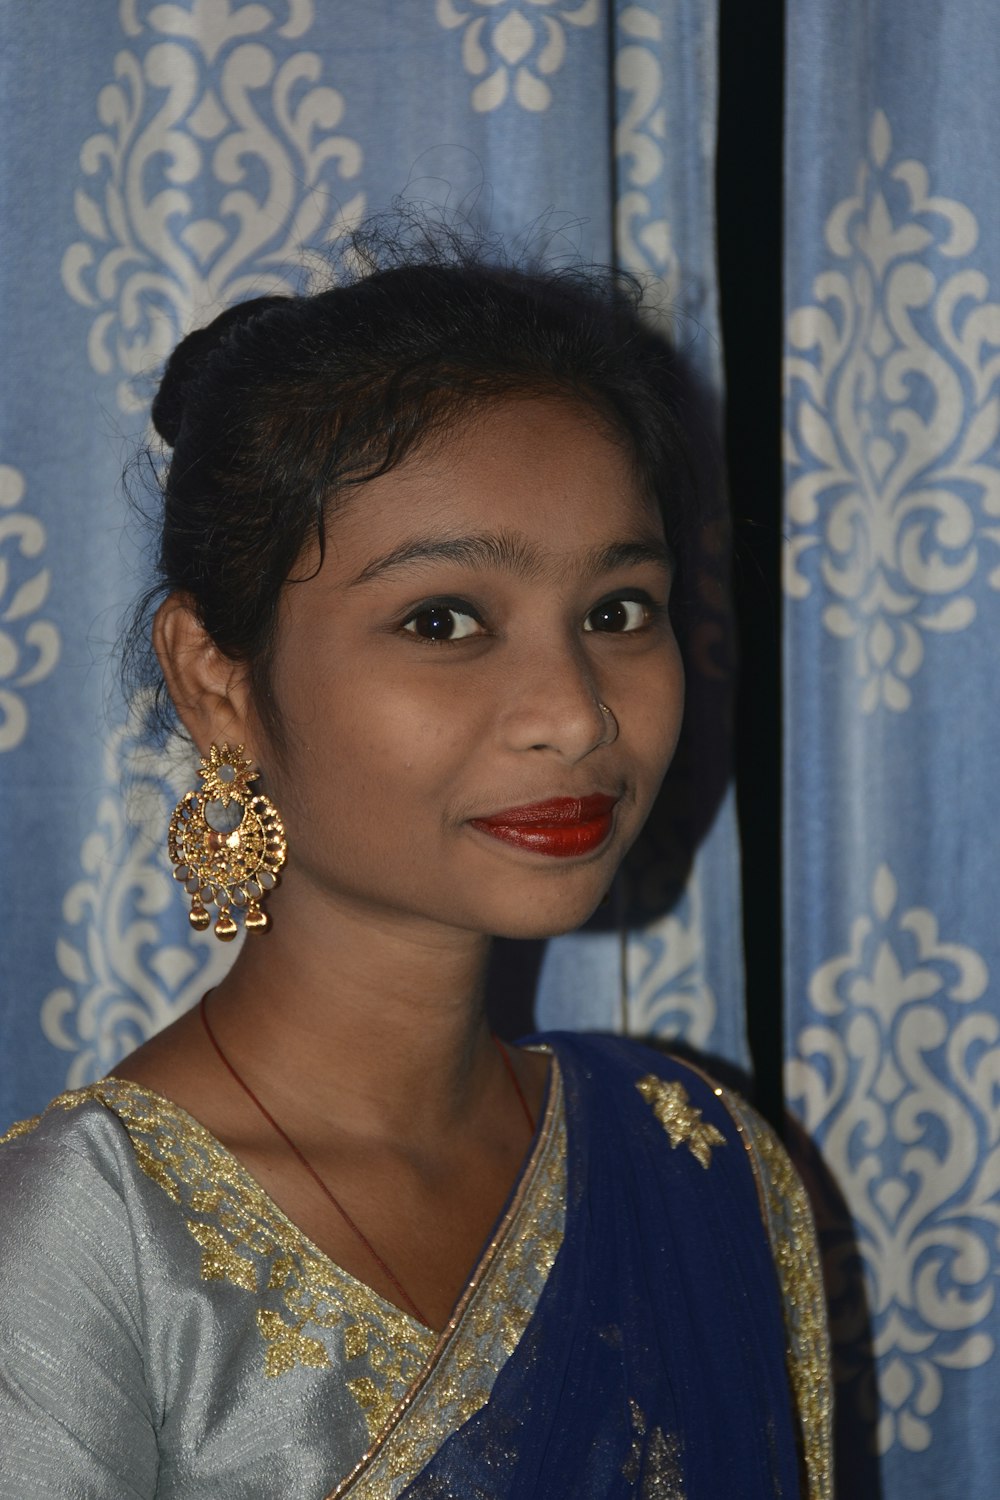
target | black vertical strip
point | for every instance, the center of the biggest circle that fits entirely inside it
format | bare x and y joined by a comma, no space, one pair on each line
749,188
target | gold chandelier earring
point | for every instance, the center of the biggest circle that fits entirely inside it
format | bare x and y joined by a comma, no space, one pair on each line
227,844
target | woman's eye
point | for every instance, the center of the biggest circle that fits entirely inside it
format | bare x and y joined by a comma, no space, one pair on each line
618,616
442,622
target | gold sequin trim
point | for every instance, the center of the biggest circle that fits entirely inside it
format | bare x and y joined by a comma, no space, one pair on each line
486,1327
789,1221
680,1118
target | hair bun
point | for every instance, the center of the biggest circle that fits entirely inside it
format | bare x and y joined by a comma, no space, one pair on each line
190,356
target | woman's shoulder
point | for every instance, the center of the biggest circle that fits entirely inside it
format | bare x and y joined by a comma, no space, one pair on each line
90,1123
75,1131
677,1088
607,1060
64,1173
95,1162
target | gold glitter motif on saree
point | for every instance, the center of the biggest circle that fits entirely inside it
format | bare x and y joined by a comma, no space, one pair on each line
681,1119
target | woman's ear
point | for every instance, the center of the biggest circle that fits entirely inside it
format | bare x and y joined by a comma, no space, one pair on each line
210,691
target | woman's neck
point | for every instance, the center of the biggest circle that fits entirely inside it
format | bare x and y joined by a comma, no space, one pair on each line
356,1017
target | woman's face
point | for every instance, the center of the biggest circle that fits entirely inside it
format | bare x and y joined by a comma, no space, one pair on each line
441,676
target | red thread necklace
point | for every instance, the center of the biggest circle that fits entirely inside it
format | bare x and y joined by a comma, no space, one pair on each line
405,1297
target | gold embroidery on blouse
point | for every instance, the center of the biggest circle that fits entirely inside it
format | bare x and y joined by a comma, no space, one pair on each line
158,1172
219,1261
245,1224
237,1226
485,1329
789,1222
377,1393
288,1347
680,1118
19,1128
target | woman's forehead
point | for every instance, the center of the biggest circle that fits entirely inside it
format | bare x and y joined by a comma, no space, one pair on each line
515,554
512,486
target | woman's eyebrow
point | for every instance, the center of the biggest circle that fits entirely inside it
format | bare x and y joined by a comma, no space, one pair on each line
500,550
629,554
508,553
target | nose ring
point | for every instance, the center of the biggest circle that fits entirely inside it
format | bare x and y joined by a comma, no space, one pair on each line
612,722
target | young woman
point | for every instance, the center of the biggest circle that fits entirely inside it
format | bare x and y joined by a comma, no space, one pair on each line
325,1235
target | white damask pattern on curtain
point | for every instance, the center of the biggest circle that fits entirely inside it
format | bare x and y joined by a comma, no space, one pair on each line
892,617
161,161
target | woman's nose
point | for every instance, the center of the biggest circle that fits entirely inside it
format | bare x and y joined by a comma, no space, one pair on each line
554,704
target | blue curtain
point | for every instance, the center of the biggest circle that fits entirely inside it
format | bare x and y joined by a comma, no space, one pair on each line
892,526
165,159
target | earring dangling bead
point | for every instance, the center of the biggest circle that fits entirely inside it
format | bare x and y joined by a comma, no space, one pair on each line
225,928
198,916
235,863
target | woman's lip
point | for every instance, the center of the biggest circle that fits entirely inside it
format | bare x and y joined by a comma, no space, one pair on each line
563,827
557,812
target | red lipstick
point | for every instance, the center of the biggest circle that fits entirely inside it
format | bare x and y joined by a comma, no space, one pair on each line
562,827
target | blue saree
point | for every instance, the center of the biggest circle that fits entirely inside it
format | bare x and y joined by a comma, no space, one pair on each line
657,1361
646,1319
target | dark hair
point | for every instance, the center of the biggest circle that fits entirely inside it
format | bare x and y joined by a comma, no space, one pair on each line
282,403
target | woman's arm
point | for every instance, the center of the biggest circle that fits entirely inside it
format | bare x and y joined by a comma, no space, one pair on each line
75,1418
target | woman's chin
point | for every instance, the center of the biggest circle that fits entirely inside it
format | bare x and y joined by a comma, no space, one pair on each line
533,924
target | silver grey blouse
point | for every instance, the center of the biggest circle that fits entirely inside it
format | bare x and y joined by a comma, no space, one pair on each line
165,1330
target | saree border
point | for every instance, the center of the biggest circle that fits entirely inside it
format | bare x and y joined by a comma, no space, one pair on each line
398,1453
